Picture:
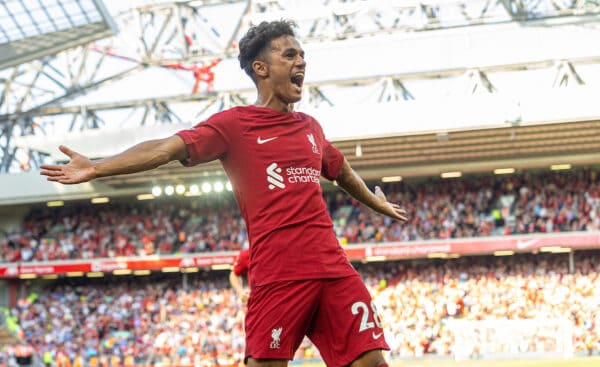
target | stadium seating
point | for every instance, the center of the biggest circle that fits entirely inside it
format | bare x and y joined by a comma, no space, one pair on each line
158,320
438,209
127,321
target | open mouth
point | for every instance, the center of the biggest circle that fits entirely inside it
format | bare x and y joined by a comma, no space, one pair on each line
298,79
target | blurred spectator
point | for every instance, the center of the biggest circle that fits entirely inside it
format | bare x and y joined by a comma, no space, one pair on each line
156,320
437,209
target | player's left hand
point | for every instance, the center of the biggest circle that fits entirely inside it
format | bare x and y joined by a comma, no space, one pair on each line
390,209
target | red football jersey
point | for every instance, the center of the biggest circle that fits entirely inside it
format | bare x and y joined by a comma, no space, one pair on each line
274,161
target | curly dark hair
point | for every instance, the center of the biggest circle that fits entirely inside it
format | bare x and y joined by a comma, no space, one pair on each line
258,38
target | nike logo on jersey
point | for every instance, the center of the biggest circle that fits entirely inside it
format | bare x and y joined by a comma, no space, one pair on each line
262,141
377,336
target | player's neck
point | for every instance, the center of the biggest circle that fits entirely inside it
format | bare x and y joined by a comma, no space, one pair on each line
273,103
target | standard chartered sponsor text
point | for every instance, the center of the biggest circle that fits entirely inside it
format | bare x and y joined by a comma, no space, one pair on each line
302,174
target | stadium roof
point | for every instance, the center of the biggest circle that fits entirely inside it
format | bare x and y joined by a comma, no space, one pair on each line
421,79
33,29
518,147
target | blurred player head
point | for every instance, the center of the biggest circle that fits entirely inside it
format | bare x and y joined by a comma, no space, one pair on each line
274,60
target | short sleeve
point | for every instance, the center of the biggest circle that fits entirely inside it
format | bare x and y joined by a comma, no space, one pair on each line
332,162
206,141
332,159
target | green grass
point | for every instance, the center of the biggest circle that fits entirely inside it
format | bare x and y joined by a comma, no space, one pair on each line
574,362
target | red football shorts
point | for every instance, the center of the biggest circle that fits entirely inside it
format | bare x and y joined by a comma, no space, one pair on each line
337,315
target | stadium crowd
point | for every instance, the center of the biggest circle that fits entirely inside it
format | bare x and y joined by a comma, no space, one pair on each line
141,322
160,321
419,300
437,209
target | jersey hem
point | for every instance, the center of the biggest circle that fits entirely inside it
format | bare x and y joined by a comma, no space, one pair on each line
316,276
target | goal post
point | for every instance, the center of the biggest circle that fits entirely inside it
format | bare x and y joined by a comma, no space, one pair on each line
505,339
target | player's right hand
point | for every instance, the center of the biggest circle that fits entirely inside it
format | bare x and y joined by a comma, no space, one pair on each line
79,169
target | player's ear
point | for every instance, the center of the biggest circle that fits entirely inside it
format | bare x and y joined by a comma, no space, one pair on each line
260,68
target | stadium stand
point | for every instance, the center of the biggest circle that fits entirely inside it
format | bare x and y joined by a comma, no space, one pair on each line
161,320
480,85
157,320
439,209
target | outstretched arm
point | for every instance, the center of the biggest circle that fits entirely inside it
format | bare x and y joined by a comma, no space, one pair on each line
142,157
350,181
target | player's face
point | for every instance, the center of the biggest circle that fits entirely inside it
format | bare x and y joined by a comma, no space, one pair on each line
286,69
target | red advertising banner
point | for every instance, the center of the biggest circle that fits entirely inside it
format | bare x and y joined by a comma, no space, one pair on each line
383,251
486,245
110,265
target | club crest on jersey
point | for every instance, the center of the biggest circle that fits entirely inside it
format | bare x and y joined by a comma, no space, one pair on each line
311,139
276,334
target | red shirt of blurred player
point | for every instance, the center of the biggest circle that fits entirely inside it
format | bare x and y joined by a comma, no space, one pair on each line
242,264
240,267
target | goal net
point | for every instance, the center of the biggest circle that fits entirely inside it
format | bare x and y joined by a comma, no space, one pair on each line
521,338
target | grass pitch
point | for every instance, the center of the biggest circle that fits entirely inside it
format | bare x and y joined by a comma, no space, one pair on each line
574,362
